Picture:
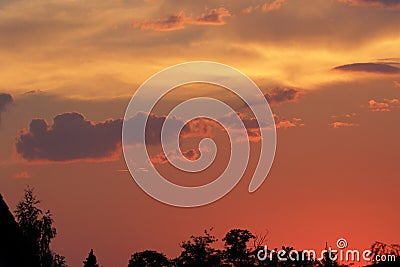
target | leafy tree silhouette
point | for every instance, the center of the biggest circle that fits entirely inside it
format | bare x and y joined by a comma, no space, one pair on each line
34,228
148,258
237,253
327,261
59,261
37,227
91,260
198,251
391,255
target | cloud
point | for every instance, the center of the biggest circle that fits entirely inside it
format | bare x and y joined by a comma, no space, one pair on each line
70,138
190,154
5,99
207,128
201,127
266,7
22,175
282,123
195,128
153,131
213,17
253,126
343,120
73,138
378,3
385,105
282,95
172,23
180,20
274,5
346,115
379,68
341,124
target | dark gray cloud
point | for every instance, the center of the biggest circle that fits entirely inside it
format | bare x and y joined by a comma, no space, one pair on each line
71,137
282,95
5,99
382,3
380,68
153,128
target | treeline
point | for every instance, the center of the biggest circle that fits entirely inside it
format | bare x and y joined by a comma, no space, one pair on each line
240,248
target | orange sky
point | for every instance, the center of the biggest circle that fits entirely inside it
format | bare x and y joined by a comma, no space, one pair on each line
335,173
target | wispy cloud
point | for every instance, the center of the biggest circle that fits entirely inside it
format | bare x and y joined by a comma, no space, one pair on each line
385,105
190,154
265,7
342,124
22,175
343,121
283,123
179,21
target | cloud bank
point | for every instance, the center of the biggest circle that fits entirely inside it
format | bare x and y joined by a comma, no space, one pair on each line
378,3
72,137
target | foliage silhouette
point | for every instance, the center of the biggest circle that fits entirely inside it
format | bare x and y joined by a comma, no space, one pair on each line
237,253
91,260
148,258
37,228
198,251
391,252
25,242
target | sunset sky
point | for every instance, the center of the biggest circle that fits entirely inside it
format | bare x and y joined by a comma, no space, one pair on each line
330,70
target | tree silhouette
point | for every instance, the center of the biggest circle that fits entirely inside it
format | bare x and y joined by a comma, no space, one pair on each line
327,261
91,260
391,255
237,253
30,235
148,258
37,227
59,261
198,251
